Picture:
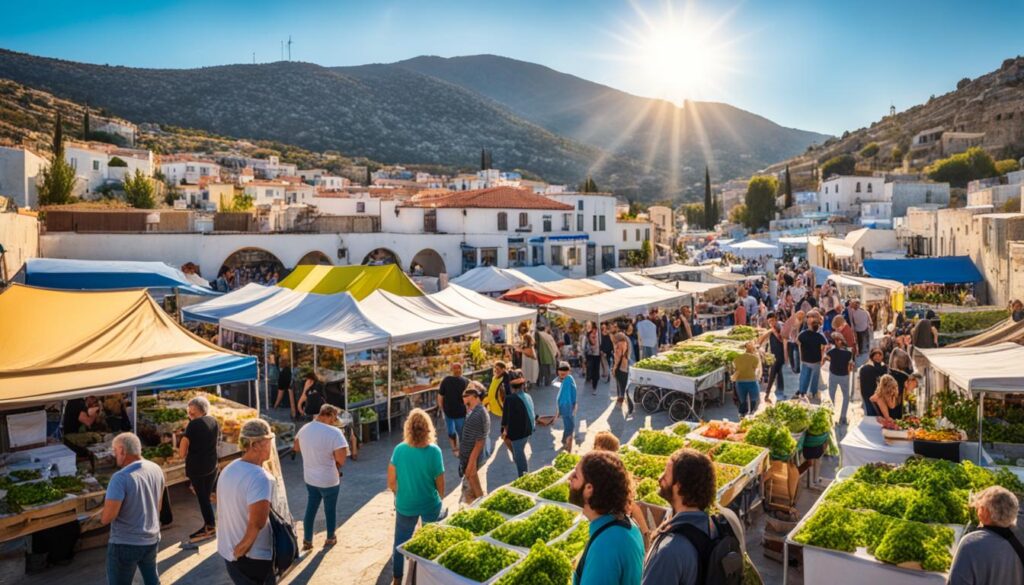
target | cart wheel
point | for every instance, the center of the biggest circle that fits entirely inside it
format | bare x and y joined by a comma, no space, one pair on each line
680,410
640,392
651,401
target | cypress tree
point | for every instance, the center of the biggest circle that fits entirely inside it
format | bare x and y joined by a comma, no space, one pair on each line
789,190
58,137
709,217
85,125
483,160
369,176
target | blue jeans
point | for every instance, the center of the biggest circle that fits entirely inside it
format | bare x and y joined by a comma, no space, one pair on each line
748,391
124,559
519,455
647,351
454,426
569,423
843,383
405,526
313,497
810,377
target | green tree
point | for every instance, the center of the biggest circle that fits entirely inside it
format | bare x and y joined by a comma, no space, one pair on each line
57,184
709,208
646,252
896,154
962,168
843,164
240,202
1006,166
870,150
1012,205
58,137
789,190
760,201
139,191
588,186
116,161
738,214
682,254
85,125
694,213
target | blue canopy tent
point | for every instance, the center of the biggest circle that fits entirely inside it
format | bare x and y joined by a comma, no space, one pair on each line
63,274
940,270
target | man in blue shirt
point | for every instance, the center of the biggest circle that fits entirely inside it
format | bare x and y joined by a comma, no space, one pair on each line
567,405
614,554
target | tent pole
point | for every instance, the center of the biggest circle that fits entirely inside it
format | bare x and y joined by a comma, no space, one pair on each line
389,387
257,387
344,368
135,410
981,414
266,370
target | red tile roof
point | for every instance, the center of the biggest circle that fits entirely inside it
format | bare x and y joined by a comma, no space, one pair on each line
493,198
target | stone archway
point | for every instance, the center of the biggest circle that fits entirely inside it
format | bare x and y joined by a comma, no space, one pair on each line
381,256
251,265
427,262
314,258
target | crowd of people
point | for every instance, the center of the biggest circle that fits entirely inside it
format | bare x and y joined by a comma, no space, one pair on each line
230,278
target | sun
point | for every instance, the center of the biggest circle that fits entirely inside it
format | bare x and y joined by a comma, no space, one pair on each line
677,54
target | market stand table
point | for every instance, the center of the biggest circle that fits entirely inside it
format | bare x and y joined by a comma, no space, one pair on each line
865,444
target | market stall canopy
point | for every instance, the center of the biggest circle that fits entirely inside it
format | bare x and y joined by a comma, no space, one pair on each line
940,270
359,281
489,279
483,308
992,368
56,345
314,319
617,280
1006,330
108,275
543,293
838,247
234,302
622,302
670,270
539,273
728,277
793,240
414,319
754,249
697,288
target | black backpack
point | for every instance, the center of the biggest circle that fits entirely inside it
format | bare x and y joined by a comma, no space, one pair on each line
314,400
721,558
285,543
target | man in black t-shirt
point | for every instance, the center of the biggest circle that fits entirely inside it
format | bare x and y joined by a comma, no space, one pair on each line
198,447
449,400
812,346
80,414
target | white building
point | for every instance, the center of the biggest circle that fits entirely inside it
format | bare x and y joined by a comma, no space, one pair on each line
842,195
20,173
345,204
299,193
92,164
189,170
266,192
906,194
272,167
991,192
125,130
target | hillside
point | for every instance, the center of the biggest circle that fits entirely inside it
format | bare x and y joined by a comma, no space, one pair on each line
992,104
380,112
27,116
649,130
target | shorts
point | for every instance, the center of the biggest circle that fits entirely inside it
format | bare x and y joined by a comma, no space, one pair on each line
454,426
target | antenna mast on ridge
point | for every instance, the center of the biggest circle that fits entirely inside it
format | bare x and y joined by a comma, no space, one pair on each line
289,47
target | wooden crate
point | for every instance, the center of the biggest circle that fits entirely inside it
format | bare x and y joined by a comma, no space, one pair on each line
41,518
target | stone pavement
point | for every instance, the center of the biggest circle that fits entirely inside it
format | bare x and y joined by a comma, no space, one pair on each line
366,510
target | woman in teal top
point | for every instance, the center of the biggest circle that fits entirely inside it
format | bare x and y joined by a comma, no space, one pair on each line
416,476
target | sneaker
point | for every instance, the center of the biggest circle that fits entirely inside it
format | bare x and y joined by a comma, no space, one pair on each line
307,545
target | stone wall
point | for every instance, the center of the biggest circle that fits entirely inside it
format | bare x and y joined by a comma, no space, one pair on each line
19,235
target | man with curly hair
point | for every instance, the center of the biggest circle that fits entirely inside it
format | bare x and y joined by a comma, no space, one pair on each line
614,554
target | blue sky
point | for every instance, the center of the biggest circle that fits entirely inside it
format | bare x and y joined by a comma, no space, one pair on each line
823,65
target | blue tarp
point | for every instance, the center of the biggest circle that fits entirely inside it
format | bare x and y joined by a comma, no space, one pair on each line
61,274
940,270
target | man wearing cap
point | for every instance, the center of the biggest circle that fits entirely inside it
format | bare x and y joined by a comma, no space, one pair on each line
567,405
244,491
473,444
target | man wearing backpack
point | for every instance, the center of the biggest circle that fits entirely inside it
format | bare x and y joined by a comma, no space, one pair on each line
692,548
614,554
518,421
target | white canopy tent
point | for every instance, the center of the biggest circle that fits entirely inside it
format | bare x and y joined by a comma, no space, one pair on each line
669,270
617,280
489,279
754,249
539,273
465,302
621,302
232,303
414,319
993,368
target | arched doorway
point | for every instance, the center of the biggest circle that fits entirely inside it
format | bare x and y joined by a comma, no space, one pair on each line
315,258
251,265
380,257
427,262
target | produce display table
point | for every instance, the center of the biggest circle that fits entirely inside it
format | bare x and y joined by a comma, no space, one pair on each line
37,518
864,444
670,381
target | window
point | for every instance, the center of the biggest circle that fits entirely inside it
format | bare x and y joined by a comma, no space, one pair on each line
488,256
502,221
869,187
95,165
74,163
625,238
204,171
579,205
601,224
360,207
638,234
595,223
579,222
647,233
269,193
190,169
858,187
565,221
524,219
430,221
547,222
826,207
556,255
572,256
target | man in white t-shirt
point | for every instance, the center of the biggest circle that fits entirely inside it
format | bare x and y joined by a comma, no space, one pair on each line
647,336
244,492
324,450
